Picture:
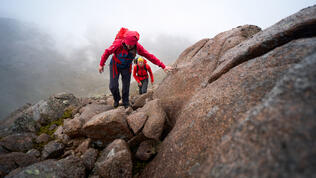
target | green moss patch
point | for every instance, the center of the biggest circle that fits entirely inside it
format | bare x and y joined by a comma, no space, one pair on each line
58,122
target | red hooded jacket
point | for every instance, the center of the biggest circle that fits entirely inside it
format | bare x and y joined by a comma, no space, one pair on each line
116,49
141,73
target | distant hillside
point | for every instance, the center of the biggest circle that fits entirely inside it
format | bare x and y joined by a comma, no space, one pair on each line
31,68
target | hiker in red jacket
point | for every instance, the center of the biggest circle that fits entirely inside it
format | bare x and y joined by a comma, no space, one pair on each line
124,49
141,76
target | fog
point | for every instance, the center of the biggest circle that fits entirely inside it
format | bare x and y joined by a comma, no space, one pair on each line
48,47
33,65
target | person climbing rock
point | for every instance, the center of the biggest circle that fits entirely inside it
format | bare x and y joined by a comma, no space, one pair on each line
140,74
124,49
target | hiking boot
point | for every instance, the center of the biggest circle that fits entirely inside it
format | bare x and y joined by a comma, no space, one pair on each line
116,104
126,106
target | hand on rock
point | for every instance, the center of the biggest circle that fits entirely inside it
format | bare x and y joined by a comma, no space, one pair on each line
101,69
168,69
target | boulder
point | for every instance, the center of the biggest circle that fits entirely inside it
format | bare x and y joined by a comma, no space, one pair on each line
299,25
73,127
43,138
93,109
20,142
24,123
34,152
142,99
276,134
136,141
67,167
193,67
129,110
213,135
53,149
156,119
146,150
53,108
108,126
9,121
89,158
76,142
115,160
136,121
11,161
83,147
29,118
59,135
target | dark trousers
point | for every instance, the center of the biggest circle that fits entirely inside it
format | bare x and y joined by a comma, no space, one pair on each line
143,88
114,84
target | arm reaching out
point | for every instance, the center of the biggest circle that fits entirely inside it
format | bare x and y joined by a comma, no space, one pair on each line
108,52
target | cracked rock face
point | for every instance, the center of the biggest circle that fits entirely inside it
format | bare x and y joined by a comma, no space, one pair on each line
206,111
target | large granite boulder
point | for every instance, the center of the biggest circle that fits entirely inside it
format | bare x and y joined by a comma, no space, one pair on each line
73,126
276,138
194,66
213,127
108,126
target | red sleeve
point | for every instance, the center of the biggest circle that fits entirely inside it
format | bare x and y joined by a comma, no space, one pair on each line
143,52
110,51
134,74
150,73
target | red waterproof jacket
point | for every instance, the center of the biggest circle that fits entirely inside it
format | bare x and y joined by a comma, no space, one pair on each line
121,55
140,73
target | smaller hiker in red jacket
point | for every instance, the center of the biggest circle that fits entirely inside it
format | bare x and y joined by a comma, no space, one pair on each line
141,76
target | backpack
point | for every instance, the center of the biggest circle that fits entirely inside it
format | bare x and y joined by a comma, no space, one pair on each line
120,34
122,61
138,67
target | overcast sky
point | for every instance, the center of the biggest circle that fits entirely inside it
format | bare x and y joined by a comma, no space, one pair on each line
75,20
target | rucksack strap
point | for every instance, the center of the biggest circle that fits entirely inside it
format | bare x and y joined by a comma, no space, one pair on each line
137,69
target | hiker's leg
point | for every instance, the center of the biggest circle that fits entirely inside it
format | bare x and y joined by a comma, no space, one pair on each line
140,89
114,85
144,85
126,79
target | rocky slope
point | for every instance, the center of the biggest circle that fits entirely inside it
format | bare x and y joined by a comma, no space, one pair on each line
241,104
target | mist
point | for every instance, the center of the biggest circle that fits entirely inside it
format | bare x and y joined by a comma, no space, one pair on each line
35,64
48,47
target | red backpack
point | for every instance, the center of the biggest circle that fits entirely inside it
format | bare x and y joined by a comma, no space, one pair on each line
121,33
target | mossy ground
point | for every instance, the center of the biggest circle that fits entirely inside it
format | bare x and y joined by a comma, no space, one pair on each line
46,128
